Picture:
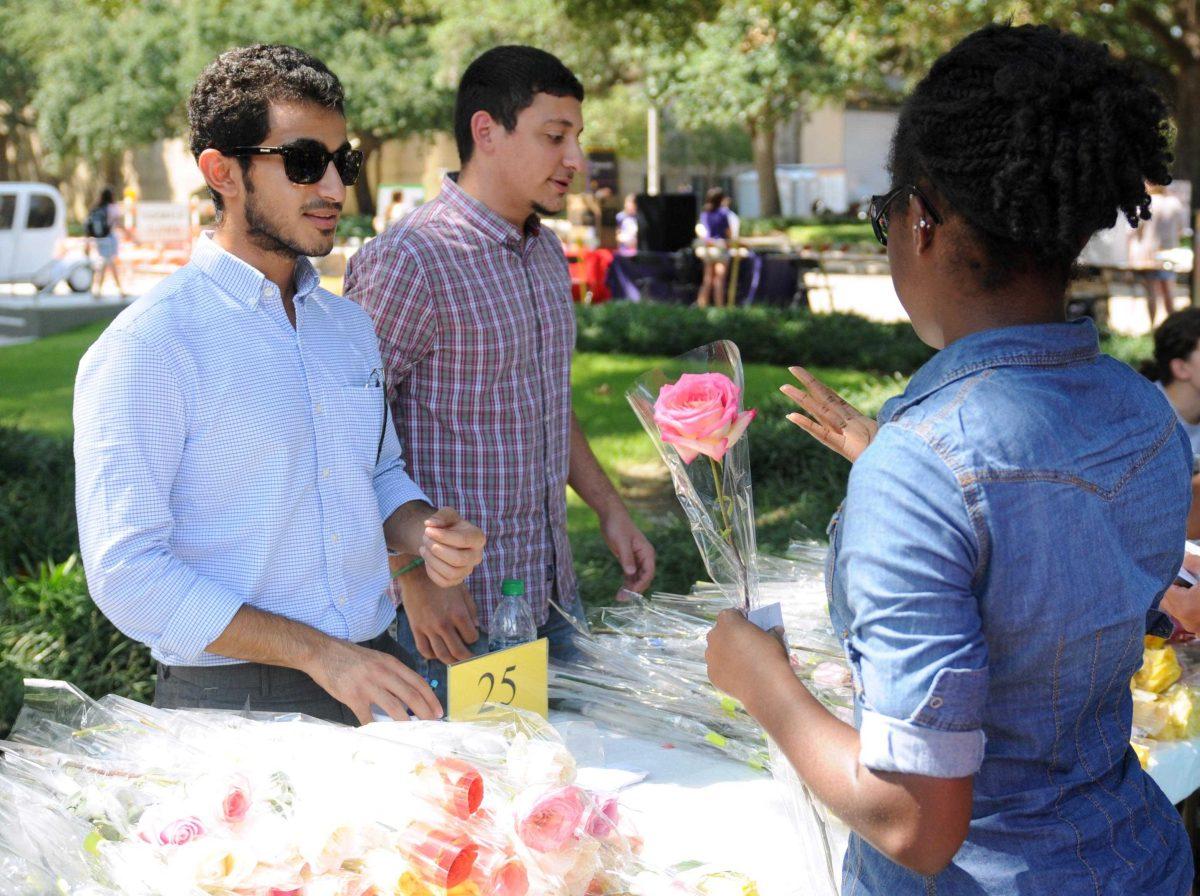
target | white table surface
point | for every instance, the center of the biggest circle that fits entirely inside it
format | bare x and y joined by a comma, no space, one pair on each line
696,805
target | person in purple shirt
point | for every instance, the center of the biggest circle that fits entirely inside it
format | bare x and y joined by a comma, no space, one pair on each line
713,231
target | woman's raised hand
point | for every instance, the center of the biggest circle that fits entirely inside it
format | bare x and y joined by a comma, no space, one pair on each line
828,417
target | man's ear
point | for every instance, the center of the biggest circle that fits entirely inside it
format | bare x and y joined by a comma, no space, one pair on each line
218,172
485,131
1179,370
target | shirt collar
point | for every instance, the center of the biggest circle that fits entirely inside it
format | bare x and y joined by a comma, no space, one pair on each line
243,281
1041,345
483,218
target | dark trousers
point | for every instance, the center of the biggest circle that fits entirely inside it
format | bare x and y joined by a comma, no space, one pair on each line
258,688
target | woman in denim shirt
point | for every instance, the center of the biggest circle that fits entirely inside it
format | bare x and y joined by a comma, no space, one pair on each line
1012,520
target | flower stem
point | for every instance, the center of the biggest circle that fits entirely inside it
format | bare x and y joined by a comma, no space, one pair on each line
726,505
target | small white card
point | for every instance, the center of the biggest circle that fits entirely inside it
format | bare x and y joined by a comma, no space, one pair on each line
767,617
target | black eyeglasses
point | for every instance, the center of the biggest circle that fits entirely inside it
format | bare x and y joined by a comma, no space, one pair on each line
878,210
306,161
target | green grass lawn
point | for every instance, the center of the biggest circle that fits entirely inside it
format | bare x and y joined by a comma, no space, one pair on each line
37,380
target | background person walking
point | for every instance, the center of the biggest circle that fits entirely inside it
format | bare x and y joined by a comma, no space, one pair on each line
101,227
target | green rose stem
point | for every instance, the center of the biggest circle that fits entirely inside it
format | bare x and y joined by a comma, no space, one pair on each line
726,505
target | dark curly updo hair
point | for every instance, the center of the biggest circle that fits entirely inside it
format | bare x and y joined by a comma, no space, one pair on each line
230,102
1176,337
1037,139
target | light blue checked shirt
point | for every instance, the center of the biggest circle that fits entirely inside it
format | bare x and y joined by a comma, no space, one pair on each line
224,458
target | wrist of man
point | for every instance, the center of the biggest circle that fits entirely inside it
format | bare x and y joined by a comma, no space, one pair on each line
406,527
611,508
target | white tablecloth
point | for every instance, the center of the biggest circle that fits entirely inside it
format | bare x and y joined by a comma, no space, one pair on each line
698,806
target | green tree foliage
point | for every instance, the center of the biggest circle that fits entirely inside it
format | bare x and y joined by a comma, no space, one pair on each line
120,77
755,63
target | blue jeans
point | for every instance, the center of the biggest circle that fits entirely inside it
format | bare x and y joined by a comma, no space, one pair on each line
562,634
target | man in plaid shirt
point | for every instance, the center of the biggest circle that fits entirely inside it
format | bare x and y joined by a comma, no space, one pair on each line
472,305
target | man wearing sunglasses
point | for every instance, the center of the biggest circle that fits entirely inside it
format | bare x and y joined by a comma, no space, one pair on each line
472,303
238,480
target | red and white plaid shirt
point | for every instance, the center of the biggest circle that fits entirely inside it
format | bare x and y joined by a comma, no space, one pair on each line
476,329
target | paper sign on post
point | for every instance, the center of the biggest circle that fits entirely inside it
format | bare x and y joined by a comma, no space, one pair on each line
513,677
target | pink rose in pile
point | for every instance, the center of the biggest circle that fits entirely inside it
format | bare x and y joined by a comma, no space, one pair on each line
236,804
604,817
180,831
551,820
699,415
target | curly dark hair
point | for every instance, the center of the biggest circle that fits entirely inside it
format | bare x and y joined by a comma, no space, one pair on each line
230,102
1037,139
1176,337
504,82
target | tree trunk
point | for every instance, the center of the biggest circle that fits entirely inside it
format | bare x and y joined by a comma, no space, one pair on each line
1187,144
5,174
762,137
110,168
363,190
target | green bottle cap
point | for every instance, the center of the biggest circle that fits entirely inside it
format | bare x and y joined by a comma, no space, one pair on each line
514,587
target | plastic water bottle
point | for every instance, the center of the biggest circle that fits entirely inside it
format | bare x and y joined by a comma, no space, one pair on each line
512,620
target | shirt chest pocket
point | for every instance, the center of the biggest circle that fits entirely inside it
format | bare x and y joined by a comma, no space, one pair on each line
354,423
498,344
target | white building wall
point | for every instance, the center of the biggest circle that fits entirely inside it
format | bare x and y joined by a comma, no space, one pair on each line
867,136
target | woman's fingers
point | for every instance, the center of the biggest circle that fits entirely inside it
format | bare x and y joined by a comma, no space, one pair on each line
821,410
824,394
822,434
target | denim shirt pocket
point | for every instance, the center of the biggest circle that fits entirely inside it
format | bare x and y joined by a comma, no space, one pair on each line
954,701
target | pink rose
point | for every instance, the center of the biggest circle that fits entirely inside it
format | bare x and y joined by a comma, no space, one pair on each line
699,415
237,801
552,820
181,831
604,817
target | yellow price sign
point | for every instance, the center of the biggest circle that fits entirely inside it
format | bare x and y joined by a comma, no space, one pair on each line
513,677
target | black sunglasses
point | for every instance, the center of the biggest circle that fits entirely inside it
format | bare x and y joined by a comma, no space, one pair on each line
306,161
878,210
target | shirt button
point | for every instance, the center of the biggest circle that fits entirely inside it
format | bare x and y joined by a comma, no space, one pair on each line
935,703
325,473
335,538
317,408
341,601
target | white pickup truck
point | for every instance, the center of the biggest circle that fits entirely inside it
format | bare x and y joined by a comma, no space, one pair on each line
33,226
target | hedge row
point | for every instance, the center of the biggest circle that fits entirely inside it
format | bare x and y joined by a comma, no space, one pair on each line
37,499
765,335
777,336
50,628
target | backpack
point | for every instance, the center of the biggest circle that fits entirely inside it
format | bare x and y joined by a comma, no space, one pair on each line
97,224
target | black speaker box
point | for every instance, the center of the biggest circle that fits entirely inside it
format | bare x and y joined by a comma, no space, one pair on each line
667,222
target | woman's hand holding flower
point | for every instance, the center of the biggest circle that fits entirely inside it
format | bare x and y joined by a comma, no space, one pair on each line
741,656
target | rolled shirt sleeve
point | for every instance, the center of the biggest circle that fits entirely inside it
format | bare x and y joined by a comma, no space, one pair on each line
908,553
130,425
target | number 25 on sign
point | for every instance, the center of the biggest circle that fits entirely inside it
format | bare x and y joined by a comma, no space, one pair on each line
514,677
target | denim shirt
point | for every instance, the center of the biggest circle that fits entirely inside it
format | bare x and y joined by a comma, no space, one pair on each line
1002,542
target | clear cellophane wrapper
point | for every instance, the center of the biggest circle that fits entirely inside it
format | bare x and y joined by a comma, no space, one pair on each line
728,555
644,673
112,797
